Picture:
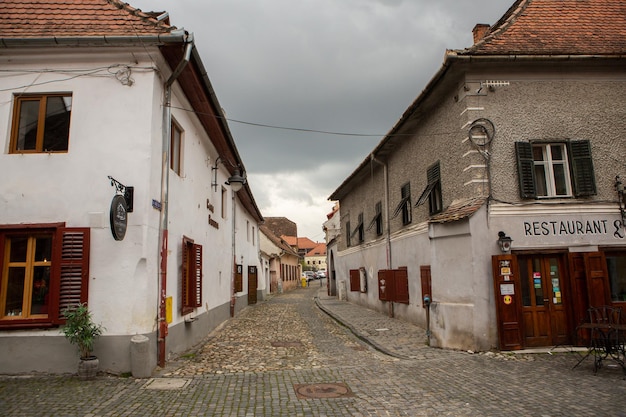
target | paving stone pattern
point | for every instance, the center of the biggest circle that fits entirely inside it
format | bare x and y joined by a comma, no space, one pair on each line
253,364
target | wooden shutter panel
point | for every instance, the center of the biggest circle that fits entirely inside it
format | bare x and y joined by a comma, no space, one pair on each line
196,298
386,285
525,170
401,278
597,279
185,306
71,260
355,280
582,168
239,276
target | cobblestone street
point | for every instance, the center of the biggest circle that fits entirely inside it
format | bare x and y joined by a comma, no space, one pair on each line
286,357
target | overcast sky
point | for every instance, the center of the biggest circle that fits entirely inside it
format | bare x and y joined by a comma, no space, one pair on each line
341,66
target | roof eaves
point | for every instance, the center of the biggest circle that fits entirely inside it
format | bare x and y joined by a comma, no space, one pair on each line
178,36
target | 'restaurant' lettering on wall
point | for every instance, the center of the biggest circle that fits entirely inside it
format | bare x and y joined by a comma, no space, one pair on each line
574,227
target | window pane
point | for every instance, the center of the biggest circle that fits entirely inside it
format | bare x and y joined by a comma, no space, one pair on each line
540,181
537,282
616,265
560,179
557,152
538,153
15,291
18,249
524,277
41,286
43,248
57,124
27,128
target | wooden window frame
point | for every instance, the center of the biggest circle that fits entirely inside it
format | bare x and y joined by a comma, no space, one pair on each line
69,272
404,206
176,148
191,276
41,123
432,192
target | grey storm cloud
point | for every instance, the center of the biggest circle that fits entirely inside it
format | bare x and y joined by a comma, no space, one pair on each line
301,68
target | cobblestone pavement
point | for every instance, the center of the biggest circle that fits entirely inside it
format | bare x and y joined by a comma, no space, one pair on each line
286,357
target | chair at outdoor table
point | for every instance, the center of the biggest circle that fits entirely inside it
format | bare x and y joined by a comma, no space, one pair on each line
607,335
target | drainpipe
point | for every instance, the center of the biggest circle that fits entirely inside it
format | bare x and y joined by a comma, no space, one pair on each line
388,237
386,197
163,216
232,279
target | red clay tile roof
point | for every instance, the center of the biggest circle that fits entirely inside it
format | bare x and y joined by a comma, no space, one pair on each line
459,210
557,27
318,250
21,19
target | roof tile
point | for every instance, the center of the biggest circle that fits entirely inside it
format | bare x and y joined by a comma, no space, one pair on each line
75,18
557,27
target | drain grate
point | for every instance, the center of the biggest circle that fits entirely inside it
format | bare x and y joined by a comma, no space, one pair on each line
324,390
286,344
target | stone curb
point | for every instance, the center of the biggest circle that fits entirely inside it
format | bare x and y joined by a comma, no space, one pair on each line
356,331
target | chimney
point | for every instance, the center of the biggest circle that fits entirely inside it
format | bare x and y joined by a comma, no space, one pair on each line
479,31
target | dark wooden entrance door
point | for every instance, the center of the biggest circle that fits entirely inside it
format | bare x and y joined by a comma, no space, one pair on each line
252,284
544,313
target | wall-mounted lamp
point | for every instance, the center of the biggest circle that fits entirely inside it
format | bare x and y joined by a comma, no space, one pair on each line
236,181
504,242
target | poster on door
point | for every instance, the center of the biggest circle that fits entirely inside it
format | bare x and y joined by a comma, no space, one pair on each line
537,279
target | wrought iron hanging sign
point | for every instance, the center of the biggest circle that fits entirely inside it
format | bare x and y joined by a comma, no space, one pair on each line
121,205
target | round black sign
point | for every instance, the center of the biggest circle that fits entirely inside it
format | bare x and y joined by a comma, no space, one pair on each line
118,217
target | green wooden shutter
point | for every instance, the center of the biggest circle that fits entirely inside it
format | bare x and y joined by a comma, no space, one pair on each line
525,170
582,168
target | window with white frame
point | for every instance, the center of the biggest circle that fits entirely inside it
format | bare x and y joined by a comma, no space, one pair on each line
555,169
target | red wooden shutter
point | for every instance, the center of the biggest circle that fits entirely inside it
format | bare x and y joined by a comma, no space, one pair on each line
355,280
186,272
425,279
196,298
71,266
401,278
386,286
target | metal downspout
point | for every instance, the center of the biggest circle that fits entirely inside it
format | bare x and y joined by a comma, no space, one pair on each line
386,197
388,237
163,216
232,279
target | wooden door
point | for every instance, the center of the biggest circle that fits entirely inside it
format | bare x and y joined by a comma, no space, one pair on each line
544,313
252,284
506,281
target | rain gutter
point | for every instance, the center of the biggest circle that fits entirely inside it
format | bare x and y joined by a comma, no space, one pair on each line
177,36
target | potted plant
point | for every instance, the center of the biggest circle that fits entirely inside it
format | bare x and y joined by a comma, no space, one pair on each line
81,331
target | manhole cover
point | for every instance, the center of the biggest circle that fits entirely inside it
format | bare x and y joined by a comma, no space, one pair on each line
335,390
287,344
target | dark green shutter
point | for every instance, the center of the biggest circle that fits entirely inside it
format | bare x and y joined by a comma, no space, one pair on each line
525,170
582,168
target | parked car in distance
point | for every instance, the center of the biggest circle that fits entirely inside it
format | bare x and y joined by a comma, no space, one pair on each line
310,276
321,274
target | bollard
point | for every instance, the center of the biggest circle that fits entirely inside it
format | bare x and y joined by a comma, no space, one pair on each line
140,357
